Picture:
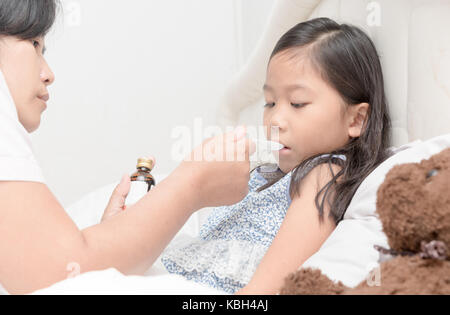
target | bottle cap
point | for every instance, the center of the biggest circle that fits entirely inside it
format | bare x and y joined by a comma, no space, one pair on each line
145,162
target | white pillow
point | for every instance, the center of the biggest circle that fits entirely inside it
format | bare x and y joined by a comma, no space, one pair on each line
348,254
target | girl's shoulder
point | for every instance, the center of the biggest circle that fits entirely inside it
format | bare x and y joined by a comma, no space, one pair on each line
336,158
298,175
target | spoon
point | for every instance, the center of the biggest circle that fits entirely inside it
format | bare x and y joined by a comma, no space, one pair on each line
266,153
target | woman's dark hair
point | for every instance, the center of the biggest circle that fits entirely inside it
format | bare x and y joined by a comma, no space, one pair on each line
347,59
27,19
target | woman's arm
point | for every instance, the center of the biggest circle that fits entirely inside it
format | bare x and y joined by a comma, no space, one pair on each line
40,244
299,237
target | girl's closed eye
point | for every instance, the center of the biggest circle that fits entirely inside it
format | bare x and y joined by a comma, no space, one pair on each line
298,105
295,105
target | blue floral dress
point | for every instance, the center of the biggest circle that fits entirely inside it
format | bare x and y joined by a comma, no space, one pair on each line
234,238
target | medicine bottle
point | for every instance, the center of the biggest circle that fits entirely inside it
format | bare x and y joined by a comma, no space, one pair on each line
141,181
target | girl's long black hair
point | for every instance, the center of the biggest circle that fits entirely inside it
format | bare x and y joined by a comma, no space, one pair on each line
27,19
347,59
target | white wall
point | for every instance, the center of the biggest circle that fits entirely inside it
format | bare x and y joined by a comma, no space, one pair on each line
127,73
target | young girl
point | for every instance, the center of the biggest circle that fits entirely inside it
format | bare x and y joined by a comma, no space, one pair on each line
324,92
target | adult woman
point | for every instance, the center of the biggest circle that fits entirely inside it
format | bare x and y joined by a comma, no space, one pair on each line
41,239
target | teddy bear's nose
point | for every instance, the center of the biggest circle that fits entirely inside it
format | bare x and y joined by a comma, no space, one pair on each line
432,173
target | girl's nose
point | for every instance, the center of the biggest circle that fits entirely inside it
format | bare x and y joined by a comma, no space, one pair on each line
278,120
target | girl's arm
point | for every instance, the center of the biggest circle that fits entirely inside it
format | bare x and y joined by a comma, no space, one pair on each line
299,237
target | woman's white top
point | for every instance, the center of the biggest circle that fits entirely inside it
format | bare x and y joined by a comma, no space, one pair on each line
17,161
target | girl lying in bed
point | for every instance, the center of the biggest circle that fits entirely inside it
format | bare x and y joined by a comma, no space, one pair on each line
324,92
325,95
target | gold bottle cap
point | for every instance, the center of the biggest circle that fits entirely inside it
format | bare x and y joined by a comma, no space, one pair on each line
145,162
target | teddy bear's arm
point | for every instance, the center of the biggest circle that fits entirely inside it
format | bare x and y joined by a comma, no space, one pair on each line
301,235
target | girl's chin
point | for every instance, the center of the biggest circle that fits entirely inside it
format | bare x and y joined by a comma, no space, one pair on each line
287,165
285,168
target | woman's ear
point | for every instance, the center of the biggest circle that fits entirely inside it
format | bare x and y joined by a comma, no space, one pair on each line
357,115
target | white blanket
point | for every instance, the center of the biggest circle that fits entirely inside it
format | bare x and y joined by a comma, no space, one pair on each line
111,281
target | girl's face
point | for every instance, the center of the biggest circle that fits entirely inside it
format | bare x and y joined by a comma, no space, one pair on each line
310,115
28,75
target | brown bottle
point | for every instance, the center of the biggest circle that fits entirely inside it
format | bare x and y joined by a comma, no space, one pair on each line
144,167
141,181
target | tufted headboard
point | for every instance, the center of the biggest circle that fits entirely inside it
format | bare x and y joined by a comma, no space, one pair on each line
413,41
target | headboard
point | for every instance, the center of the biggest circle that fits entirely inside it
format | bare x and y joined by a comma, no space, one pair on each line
412,38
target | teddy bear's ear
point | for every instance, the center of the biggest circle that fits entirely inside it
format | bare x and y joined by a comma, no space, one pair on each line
413,203
309,281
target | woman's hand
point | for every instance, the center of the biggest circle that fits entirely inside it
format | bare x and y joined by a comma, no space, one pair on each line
217,171
116,203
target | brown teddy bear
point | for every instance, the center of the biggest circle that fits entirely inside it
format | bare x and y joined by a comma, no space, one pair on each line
413,204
